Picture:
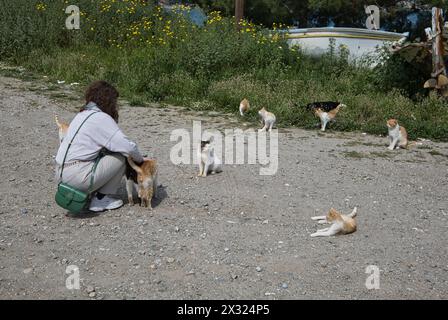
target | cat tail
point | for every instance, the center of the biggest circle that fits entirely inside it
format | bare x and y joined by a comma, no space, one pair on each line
354,213
56,119
413,144
134,165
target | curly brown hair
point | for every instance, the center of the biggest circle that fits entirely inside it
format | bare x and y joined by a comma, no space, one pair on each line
105,96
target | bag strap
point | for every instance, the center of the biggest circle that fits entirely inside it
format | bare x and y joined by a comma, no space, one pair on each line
92,175
69,145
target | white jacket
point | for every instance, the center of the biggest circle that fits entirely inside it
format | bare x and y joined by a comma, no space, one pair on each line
99,131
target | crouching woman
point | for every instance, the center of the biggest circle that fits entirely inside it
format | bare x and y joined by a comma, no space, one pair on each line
99,137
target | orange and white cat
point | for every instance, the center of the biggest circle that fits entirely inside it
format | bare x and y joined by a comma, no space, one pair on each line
326,117
244,106
63,128
398,136
145,179
340,223
267,118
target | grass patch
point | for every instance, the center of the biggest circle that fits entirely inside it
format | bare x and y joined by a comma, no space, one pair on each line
370,155
18,74
379,154
355,143
354,154
437,153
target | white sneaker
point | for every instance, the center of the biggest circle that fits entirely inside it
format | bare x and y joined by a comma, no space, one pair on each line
106,203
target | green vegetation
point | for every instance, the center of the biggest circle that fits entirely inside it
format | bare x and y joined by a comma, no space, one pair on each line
154,56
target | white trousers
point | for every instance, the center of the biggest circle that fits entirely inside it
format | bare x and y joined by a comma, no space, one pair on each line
108,174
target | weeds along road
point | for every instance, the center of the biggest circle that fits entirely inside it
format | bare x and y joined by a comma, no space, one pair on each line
232,235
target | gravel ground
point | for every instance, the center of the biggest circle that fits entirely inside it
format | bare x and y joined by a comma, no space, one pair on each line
234,235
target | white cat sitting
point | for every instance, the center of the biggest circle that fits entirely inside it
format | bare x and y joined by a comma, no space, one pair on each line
209,162
268,119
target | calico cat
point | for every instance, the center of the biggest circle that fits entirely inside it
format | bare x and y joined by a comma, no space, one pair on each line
326,117
145,178
340,223
325,106
209,162
63,128
267,118
244,106
398,136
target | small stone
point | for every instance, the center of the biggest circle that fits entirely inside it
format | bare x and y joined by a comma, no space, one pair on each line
284,286
90,289
141,281
23,211
27,270
92,294
258,269
170,260
176,229
226,249
265,221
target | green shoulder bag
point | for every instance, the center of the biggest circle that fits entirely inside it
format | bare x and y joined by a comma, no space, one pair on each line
68,197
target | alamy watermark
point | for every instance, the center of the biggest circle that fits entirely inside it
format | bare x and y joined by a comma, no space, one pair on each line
72,282
373,20
259,149
73,22
373,278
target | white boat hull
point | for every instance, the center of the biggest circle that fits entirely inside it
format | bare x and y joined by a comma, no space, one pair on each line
358,42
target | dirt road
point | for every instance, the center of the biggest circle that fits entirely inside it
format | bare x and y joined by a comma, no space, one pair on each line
233,235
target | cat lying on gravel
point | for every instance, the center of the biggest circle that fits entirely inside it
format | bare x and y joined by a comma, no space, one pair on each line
341,223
